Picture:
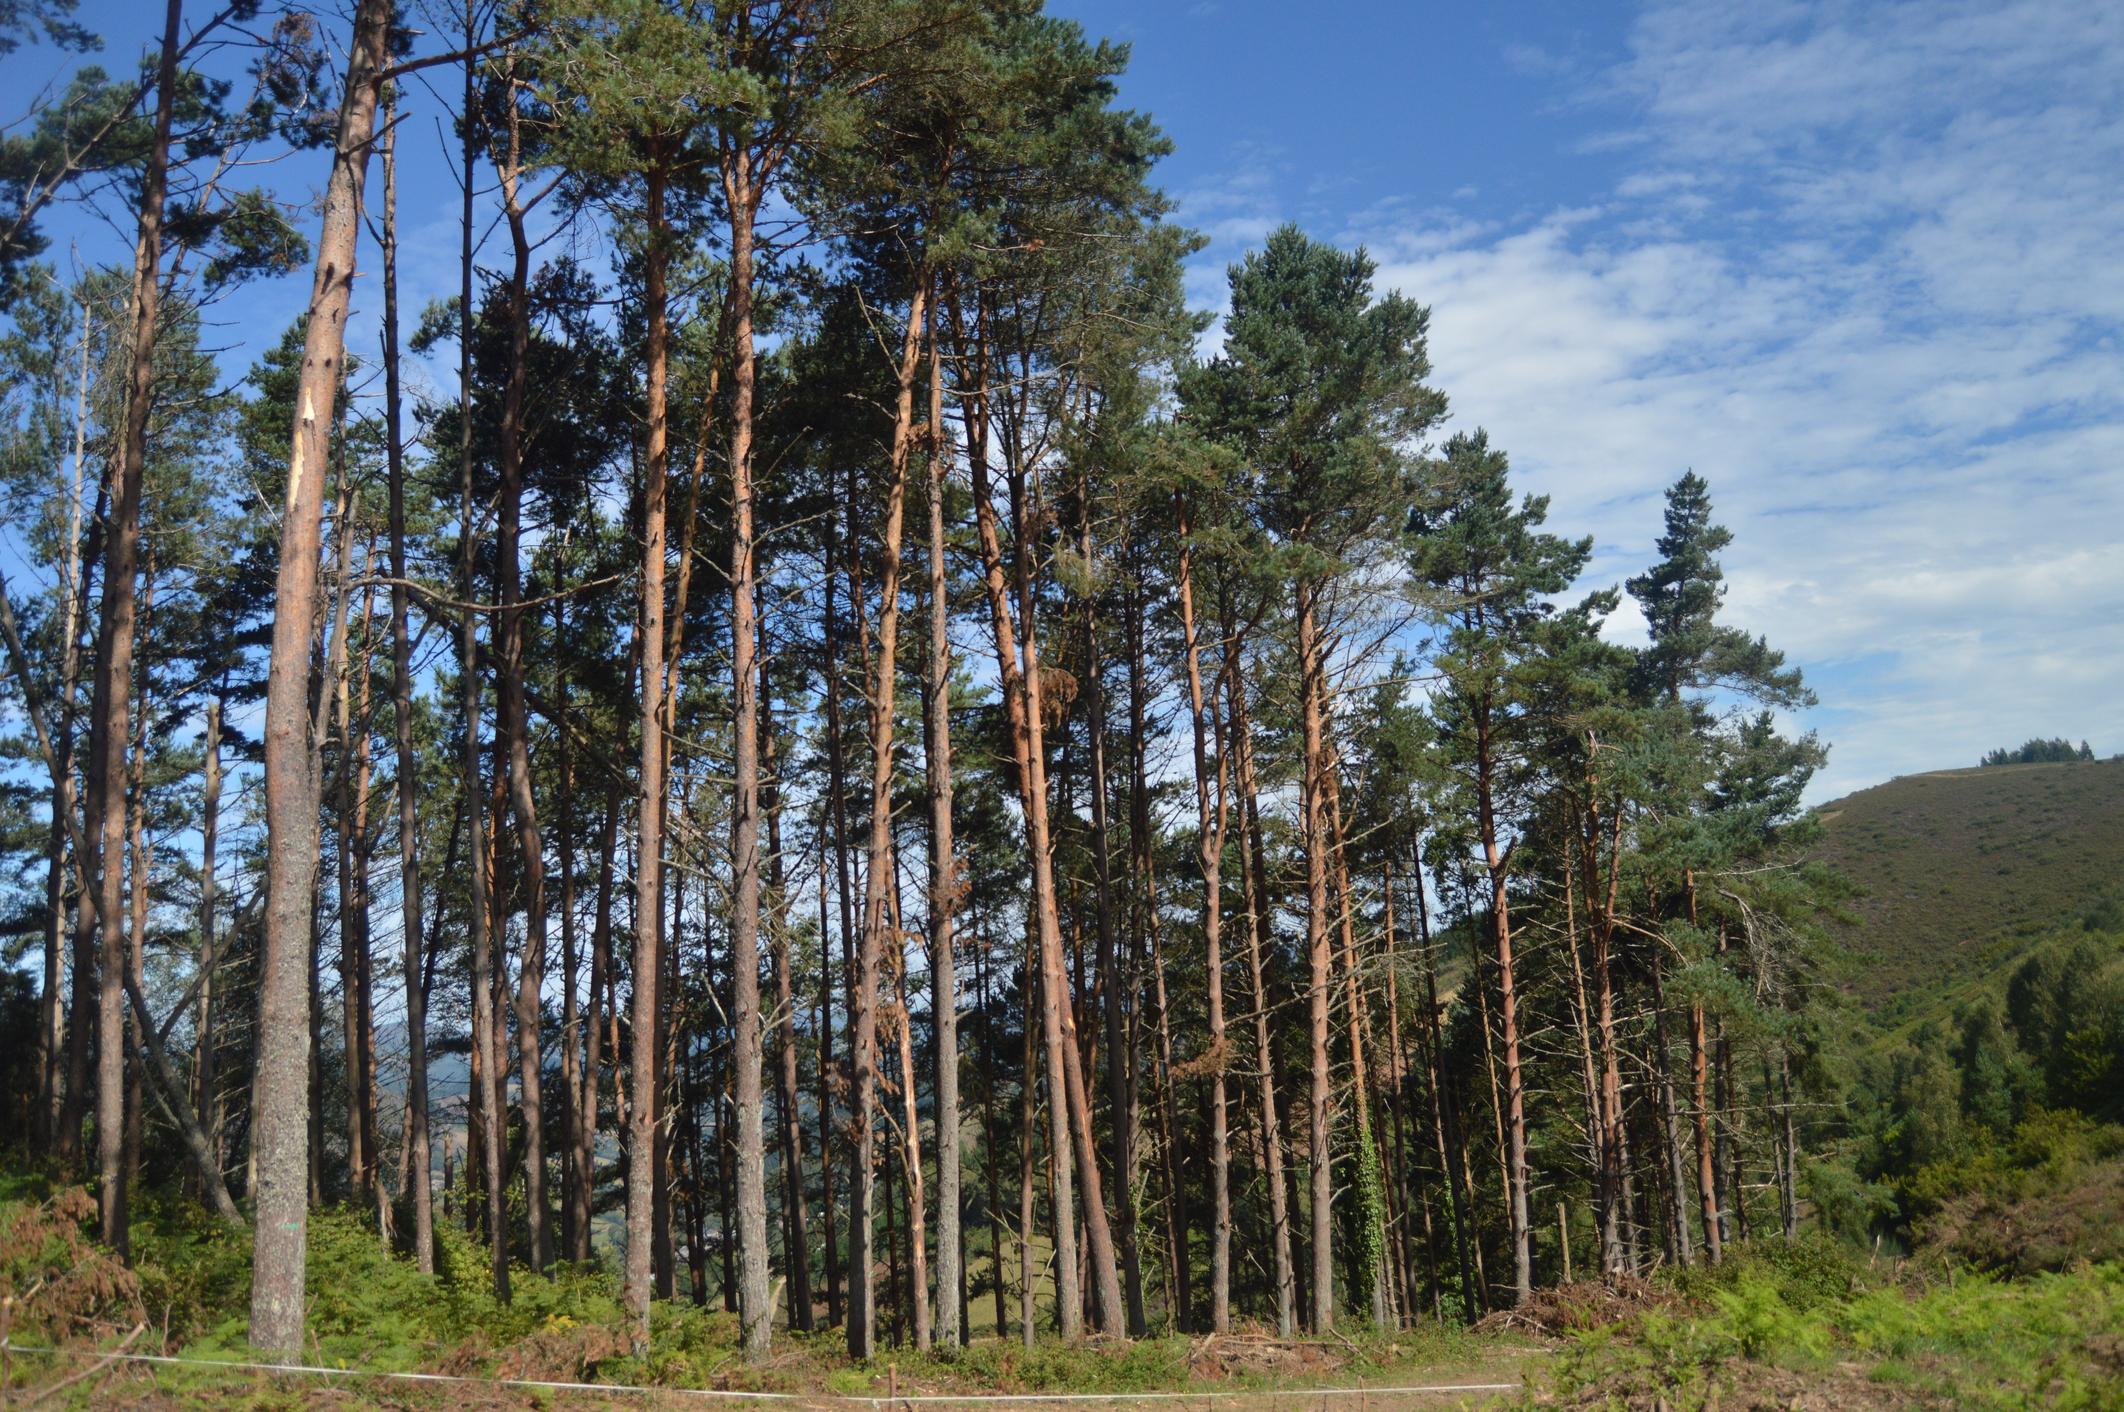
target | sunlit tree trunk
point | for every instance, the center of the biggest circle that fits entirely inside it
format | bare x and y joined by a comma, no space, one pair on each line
878,881
279,1124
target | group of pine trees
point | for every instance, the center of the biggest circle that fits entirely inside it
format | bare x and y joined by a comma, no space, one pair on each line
2036,751
839,765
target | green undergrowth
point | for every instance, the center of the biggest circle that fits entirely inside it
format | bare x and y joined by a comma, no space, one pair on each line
1172,1362
370,1309
1781,1319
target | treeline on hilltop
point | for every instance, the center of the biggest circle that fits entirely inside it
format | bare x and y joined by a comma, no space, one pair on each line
840,767
2055,751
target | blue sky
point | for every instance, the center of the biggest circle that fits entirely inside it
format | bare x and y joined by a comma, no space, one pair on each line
1858,265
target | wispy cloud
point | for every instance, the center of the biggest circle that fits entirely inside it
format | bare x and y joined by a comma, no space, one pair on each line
1860,270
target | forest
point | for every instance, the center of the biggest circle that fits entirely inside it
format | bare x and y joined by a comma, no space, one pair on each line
812,740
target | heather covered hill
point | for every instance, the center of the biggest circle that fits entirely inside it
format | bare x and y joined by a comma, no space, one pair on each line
1959,872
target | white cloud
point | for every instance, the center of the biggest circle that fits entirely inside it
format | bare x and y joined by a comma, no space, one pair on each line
1861,274
1859,269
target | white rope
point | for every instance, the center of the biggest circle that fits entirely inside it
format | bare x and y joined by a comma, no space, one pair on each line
960,1399
1233,1396
236,1365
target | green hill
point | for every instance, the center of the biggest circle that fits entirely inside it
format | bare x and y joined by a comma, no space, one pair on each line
1960,871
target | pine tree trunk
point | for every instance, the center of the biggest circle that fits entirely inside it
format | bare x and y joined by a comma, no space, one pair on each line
796,1257
991,1138
1670,1121
1371,1200
82,999
486,1139
361,1139
1110,988
292,787
1312,688
206,1099
1027,1113
109,724
1253,877
588,1108
649,798
1142,899
513,719
575,1180
825,1091
1514,1116
837,814
884,680
1706,1173
1019,665
1614,1167
54,1094
1789,1188
361,858
741,190
417,1138
1460,1181
911,1161
137,870
1212,811
1064,1054
943,875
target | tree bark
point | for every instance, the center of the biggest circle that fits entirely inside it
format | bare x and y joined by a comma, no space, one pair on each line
911,1157
1255,892
206,1100
489,1134
825,1086
1459,1179
109,724
796,1257
1212,812
1498,863
943,875
1312,689
279,1127
417,1174
137,864
837,817
589,1107
1706,1174
743,188
649,797
83,998
1371,1199
862,1311
55,1097
513,719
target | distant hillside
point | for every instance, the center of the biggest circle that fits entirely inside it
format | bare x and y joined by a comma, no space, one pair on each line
1959,870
